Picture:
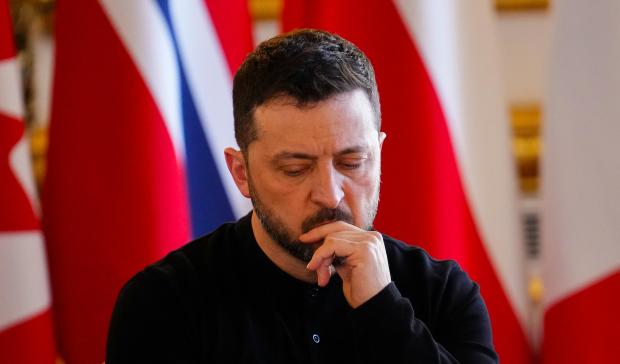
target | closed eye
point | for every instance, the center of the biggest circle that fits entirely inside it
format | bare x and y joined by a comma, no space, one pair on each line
351,163
350,166
294,171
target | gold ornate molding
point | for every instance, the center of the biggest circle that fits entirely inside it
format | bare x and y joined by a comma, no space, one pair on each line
526,119
38,149
521,5
265,9
29,13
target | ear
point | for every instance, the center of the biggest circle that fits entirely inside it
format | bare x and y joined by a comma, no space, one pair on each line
382,137
237,167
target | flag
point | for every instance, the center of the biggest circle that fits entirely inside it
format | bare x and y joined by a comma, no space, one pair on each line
581,175
25,316
141,113
448,177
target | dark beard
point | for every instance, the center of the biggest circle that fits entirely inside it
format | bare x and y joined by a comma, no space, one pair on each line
281,235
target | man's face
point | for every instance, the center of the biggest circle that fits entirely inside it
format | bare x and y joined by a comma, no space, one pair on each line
314,165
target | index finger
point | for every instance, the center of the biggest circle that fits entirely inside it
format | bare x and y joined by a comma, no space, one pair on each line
320,232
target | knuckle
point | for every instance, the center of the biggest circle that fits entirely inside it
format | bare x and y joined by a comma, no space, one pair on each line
367,246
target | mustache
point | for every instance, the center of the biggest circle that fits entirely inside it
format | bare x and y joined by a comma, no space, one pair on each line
326,215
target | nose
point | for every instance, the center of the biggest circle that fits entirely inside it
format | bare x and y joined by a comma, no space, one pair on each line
327,187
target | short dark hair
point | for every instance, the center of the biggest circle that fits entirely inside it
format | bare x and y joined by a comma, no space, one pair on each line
309,66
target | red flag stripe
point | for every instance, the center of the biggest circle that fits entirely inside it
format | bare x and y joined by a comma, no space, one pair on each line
7,48
583,328
29,342
114,198
235,36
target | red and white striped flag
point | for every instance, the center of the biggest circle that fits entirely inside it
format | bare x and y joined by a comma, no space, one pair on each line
138,86
26,334
448,176
581,181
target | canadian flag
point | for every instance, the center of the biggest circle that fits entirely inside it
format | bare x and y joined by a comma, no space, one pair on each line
140,117
26,334
581,180
448,177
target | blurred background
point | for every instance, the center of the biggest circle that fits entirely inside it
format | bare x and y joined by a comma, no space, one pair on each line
114,116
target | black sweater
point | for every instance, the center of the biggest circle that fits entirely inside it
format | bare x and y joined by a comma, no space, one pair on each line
219,299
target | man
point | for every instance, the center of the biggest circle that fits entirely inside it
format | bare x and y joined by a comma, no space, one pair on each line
303,278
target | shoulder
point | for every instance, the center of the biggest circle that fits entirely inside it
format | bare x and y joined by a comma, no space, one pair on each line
159,309
444,298
182,271
404,258
443,283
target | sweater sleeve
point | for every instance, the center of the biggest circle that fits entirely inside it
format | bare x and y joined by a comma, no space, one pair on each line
150,323
388,331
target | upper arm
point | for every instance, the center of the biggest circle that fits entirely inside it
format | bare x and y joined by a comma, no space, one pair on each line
465,323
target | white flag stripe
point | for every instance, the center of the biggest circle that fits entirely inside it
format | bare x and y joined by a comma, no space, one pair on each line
21,166
581,169
11,104
10,85
23,277
143,30
463,62
210,83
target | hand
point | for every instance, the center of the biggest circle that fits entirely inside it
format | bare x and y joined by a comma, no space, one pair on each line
358,256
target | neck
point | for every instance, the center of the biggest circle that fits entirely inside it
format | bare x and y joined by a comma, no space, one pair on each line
280,257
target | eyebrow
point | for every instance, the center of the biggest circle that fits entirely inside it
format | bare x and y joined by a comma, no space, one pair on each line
351,150
299,155
293,155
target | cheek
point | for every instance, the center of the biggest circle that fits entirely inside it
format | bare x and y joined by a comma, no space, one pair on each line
286,199
360,196
285,192
271,183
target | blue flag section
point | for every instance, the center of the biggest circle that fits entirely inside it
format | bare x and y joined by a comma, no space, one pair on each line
209,205
209,202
